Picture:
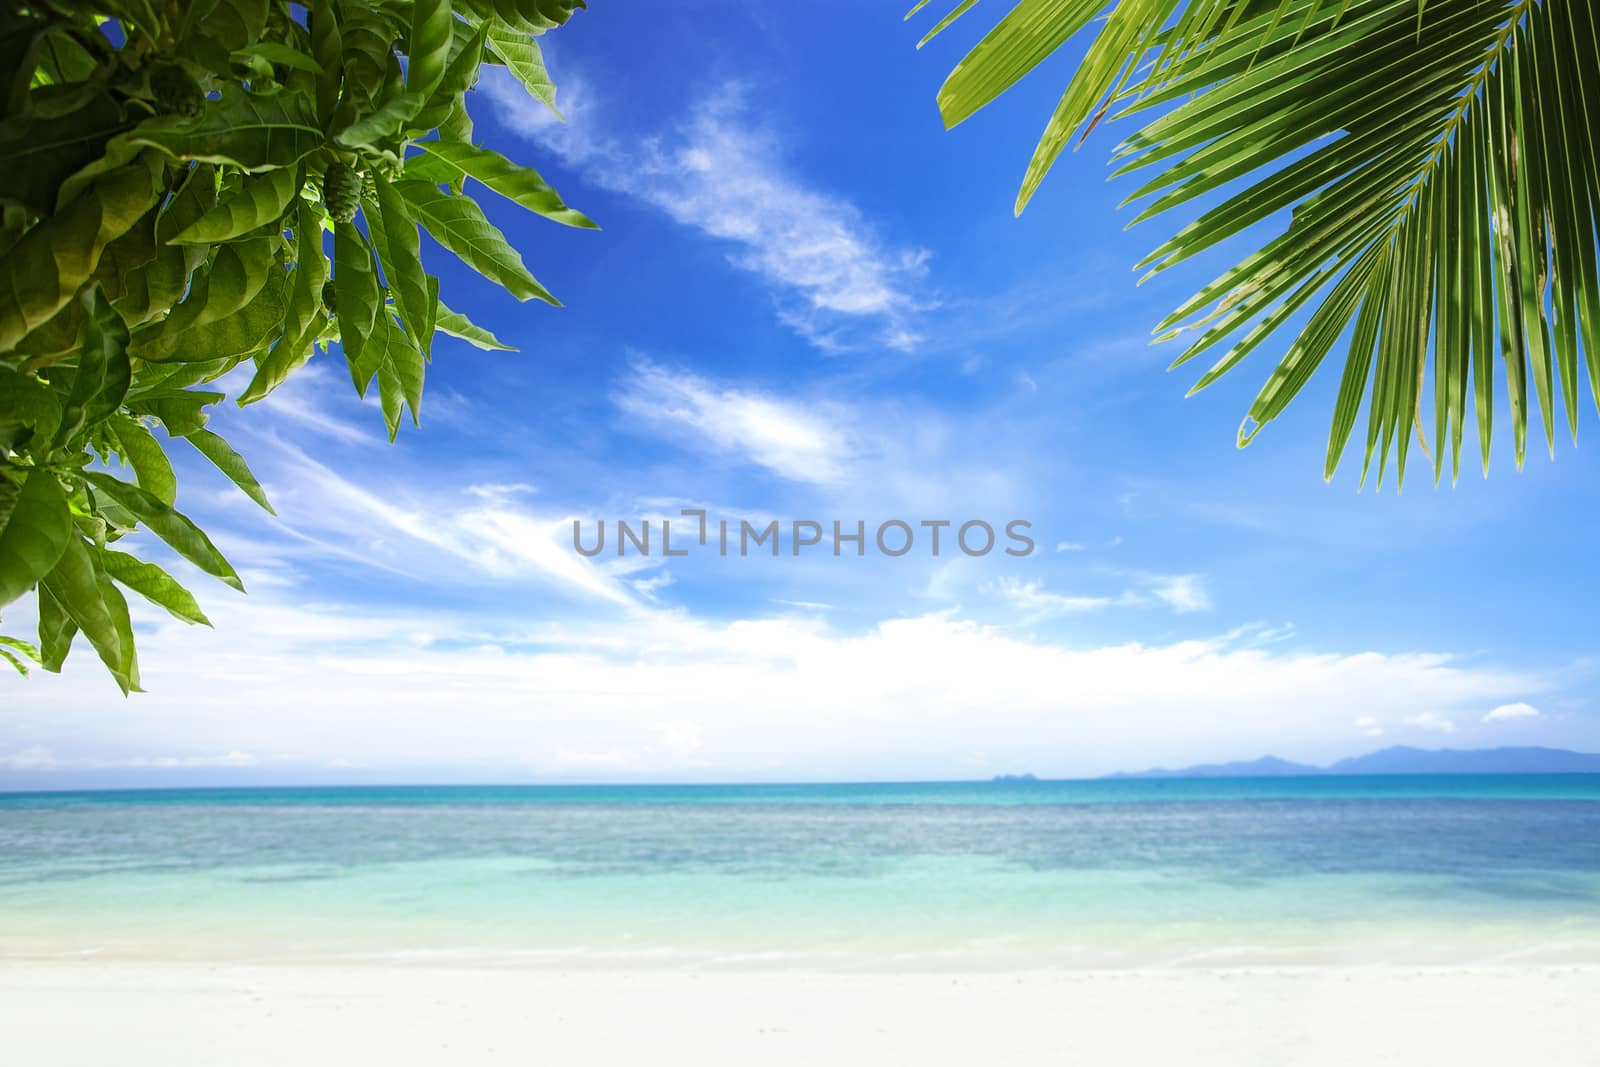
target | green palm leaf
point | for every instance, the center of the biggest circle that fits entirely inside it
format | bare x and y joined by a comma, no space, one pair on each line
1432,167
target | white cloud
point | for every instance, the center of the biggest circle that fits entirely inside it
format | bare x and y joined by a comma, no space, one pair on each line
481,531
653,692
1432,720
1183,593
681,736
305,399
646,587
32,758
726,178
40,758
1069,546
500,491
1512,712
804,605
804,443
1034,603
1369,726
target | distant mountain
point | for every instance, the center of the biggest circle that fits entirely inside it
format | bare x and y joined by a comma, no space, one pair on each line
1399,760
1403,760
1265,767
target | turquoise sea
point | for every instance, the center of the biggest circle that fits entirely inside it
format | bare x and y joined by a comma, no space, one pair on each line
1097,873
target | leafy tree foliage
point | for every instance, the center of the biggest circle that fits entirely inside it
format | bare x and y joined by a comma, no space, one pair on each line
172,178
1435,165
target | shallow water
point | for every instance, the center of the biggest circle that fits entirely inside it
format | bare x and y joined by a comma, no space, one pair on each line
1435,869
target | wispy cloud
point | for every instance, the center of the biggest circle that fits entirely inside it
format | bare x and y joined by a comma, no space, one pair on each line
798,442
1432,720
41,758
1033,603
425,529
839,284
304,400
1183,593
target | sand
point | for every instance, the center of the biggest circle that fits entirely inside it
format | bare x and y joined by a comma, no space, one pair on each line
130,1013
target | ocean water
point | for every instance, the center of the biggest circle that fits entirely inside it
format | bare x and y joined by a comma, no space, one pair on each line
1106,873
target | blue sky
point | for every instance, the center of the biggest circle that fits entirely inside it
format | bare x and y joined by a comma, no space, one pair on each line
809,301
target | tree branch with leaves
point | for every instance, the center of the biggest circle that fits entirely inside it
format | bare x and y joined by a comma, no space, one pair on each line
172,178
1434,164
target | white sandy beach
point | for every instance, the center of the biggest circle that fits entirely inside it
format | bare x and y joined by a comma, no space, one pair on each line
92,1013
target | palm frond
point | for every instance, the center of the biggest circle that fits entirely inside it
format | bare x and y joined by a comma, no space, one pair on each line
1436,164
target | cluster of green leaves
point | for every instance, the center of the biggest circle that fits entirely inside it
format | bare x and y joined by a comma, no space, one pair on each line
1438,161
172,176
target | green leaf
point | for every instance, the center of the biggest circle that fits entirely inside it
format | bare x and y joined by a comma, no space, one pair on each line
400,251
521,56
63,57
149,460
103,373
21,667
247,130
355,283
47,268
456,125
235,275
259,200
56,631
428,49
151,290
182,412
76,588
34,535
234,24
171,526
304,320
9,657
328,48
230,463
430,323
166,379
447,163
127,670
29,409
458,325
522,16
366,49
1032,30
459,225
19,653
18,645
234,310
47,149
382,124
288,56
445,105
154,584
248,330
399,368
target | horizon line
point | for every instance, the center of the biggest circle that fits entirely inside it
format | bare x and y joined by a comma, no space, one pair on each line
1118,777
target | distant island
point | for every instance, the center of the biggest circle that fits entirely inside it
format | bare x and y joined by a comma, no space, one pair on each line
1400,759
1014,778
